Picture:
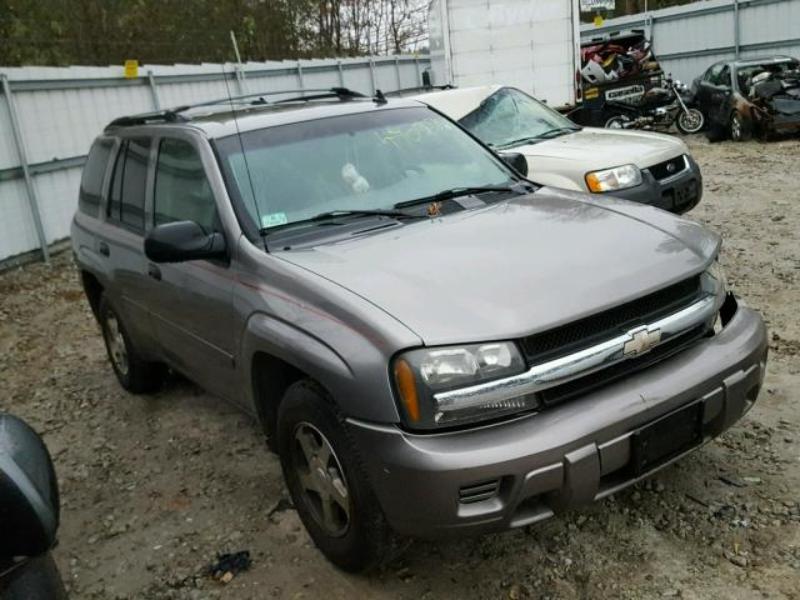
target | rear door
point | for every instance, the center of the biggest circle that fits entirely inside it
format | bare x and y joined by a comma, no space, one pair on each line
193,306
120,240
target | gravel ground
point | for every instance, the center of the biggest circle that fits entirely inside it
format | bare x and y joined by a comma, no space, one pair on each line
154,487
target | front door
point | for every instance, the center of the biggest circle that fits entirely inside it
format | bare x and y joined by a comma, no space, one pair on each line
193,309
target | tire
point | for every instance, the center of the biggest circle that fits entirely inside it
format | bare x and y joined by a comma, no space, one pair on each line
135,374
738,129
356,536
617,122
716,132
38,579
690,121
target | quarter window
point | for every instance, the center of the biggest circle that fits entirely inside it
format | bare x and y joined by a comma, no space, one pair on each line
92,177
182,190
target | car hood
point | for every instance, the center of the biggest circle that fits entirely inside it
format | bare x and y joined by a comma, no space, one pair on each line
513,268
596,148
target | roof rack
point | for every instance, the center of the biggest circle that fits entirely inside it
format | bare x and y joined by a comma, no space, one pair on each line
173,115
421,88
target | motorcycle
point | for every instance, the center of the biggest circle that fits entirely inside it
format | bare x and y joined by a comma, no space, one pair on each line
658,108
29,515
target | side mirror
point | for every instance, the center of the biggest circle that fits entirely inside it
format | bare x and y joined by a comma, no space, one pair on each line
181,241
29,503
516,161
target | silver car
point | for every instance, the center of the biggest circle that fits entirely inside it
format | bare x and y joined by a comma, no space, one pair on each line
432,343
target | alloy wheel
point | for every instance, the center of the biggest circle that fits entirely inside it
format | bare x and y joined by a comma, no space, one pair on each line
736,128
322,482
116,343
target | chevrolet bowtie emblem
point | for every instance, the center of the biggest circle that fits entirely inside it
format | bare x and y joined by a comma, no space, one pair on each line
640,341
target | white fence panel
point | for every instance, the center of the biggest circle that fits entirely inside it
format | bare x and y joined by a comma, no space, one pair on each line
60,111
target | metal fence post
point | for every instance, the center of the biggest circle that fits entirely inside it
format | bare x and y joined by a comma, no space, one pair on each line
300,76
153,90
736,32
397,73
240,79
23,159
341,73
373,79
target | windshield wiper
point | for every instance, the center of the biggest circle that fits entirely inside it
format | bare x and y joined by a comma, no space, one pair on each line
455,193
332,214
532,139
558,132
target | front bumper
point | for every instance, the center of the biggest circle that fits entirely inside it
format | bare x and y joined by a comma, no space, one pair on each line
565,456
678,194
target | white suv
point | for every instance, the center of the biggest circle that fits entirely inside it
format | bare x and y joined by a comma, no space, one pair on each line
642,166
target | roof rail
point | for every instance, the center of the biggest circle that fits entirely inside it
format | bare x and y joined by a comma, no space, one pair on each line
159,116
421,88
173,115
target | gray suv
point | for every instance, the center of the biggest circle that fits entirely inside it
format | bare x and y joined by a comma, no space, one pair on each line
431,342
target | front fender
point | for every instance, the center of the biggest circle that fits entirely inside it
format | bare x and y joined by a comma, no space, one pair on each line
356,377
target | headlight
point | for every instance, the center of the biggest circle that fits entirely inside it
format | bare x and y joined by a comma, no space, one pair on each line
420,374
715,283
617,178
718,274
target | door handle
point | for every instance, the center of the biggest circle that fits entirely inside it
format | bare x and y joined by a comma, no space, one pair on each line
154,272
104,249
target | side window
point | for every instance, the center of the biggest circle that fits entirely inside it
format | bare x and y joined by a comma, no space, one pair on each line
182,190
92,177
128,184
724,77
712,73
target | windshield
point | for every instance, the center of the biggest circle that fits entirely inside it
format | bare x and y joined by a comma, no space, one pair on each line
366,161
509,116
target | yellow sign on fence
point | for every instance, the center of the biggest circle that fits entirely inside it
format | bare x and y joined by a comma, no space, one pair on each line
131,69
598,20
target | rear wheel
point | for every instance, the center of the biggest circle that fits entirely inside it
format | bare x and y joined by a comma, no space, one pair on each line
136,375
327,482
690,121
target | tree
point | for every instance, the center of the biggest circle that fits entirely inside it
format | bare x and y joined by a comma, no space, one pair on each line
101,32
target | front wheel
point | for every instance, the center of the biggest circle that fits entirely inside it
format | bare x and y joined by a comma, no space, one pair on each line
690,121
326,480
738,129
617,122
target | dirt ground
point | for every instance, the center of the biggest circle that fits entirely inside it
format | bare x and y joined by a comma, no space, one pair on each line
154,487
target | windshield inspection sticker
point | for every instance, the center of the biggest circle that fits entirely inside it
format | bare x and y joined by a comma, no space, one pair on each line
273,219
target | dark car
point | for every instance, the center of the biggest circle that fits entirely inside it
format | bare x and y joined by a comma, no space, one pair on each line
752,97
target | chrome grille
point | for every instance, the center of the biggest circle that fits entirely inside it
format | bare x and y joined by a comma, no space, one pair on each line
585,332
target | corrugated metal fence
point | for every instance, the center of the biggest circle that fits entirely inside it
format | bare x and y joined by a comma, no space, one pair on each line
49,117
688,39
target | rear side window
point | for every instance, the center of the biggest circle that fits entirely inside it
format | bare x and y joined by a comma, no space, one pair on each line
128,184
92,177
182,192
